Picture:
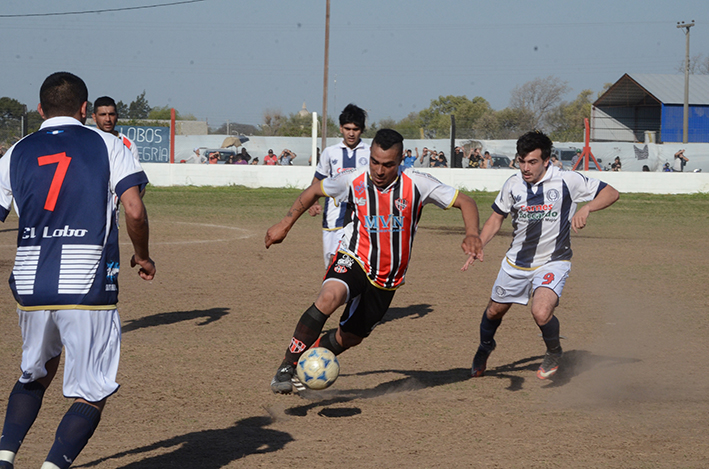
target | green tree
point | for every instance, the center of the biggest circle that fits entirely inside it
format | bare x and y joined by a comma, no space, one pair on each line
567,120
436,122
121,109
11,113
164,113
139,108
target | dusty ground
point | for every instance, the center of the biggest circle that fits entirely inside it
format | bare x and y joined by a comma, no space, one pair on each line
202,341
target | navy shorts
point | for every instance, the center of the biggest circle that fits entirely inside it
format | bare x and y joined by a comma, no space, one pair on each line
366,304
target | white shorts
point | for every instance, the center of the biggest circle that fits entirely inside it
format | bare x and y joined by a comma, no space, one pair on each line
515,285
330,244
92,340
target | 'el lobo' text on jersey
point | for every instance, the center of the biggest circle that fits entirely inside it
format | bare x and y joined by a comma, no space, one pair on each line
66,232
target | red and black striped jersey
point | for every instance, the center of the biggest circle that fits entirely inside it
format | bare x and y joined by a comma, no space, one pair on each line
381,225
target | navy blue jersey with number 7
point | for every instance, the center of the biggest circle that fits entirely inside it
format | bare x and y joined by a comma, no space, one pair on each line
65,180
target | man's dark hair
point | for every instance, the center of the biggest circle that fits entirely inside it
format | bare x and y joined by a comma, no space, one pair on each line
62,94
353,114
533,140
105,101
388,138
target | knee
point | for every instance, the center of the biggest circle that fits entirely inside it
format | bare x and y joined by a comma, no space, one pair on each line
328,301
542,316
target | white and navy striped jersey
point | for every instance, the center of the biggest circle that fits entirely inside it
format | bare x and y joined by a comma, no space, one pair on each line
64,180
541,214
333,160
383,222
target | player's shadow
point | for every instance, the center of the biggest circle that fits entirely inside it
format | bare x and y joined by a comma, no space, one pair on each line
411,381
412,311
573,363
207,449
163,319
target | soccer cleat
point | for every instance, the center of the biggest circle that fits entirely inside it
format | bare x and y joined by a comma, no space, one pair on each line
480,360
282,383
549,365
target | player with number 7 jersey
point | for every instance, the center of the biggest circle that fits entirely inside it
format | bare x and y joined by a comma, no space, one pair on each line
66,257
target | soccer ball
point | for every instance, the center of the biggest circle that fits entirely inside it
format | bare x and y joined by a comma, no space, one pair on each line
318,368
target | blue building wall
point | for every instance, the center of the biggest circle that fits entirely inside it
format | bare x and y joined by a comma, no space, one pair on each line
672,123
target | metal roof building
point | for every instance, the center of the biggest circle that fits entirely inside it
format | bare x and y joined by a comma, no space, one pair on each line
651,108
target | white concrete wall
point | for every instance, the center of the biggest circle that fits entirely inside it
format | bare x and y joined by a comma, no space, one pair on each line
469,179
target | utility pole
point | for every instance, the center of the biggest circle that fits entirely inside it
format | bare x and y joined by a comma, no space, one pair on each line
327,66
685,120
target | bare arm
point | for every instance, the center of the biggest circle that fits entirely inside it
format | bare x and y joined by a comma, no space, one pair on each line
491,227
472,246
277,233
605,198
316,208
138,231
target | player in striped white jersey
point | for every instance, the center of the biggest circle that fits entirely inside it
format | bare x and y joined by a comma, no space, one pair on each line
385,203
63,181
542,200
351,152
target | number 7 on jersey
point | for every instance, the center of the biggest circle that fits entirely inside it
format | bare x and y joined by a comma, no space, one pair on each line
62,165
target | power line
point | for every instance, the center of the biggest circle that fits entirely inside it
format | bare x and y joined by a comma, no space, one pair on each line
107,10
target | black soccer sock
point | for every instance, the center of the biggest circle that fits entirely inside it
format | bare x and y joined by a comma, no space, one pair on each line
488,327
22,409
306,332
550,334
73,433
329,341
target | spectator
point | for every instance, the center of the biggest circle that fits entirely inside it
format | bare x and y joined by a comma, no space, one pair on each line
270,159
244,155
317,157
680,161
575,158
457,158
432,158
409,160
441,161
555,161
487,161
286,158
666,168
214,157
646,168
475,159
196,157
425,158
616,165
254,161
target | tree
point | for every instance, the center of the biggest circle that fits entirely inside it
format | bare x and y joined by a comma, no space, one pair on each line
165,113
11,113
234,129
436,121
539,96
121,109
566,121
139,108
698,65
508,123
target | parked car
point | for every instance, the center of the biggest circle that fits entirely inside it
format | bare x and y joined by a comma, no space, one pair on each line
500,161
566,156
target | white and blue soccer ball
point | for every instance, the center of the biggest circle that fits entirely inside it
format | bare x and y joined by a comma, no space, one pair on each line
318,368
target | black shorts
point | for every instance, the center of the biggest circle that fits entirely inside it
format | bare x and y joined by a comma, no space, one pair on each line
367,304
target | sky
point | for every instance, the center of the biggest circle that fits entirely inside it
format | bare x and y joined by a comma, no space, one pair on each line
227,60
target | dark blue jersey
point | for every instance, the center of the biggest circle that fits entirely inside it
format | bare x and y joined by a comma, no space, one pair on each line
65,180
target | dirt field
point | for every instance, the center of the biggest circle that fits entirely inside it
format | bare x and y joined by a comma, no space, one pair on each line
202,341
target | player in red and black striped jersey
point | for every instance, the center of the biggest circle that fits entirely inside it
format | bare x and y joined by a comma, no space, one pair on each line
386,203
